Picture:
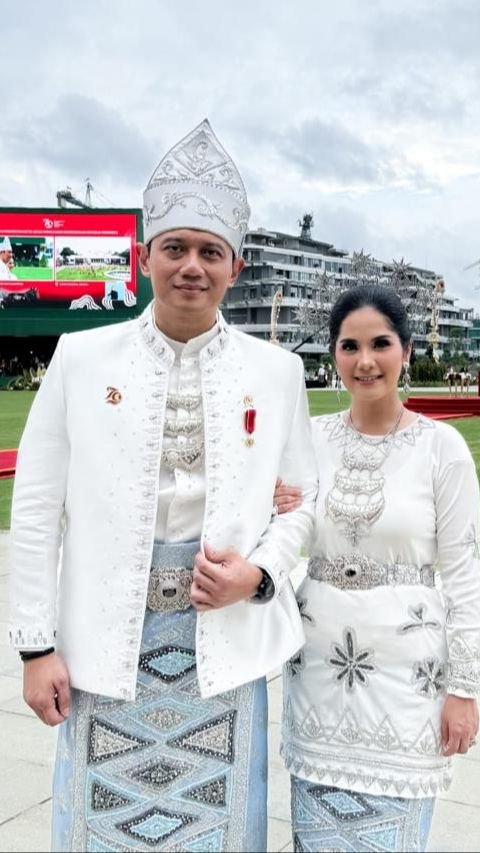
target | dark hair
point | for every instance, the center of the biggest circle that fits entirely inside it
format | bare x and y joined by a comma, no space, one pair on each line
382,299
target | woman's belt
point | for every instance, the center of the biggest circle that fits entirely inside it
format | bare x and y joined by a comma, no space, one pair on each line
171,576
358,571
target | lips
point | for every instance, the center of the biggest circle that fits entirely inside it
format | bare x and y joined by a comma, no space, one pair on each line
367,380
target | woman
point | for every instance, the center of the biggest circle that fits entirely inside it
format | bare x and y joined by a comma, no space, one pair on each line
382,694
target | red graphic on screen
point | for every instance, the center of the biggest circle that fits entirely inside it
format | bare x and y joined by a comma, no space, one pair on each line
75,261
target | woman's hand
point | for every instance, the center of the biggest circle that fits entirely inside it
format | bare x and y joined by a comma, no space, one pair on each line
286,498
459,724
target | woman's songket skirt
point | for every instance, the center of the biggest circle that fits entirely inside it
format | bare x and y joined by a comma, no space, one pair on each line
327,818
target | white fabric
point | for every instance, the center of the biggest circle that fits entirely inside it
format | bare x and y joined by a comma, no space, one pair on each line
5,244
383,736
87,478
197,185
181,495
5,273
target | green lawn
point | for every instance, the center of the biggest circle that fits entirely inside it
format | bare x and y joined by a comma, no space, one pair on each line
325,402
33,273
14,407
91,273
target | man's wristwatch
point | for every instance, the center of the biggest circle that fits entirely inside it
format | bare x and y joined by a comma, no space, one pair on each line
266,587
39,654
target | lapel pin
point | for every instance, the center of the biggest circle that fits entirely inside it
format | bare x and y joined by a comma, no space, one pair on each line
113,396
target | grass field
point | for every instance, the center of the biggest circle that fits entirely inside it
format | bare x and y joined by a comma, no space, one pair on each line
14,407
90,273
33,273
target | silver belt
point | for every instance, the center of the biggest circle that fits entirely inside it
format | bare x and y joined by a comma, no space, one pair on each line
171,576
357,571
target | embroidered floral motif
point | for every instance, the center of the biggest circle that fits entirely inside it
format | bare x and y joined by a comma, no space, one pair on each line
473,541
429,677
296,664
302,604
351,663
418,620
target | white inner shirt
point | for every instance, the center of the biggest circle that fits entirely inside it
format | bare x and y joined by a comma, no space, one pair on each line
181,498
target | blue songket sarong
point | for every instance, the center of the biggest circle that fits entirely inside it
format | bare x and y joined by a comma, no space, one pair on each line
328,818
170,770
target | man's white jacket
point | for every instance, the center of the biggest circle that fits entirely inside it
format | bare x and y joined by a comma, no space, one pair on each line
85,501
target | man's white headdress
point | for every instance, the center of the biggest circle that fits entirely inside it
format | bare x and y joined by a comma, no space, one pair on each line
5,244
197,185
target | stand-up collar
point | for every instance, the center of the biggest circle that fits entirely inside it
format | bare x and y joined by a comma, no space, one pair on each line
209,344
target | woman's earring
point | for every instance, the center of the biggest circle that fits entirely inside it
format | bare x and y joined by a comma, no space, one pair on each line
338,385
405,377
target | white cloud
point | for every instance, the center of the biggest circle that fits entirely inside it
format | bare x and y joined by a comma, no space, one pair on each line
365,113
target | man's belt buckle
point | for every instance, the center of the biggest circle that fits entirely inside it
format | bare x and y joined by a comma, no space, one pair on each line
169,589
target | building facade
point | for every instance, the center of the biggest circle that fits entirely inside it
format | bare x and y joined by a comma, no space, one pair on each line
284,272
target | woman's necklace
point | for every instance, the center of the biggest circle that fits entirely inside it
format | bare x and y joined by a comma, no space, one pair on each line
357,500
375,440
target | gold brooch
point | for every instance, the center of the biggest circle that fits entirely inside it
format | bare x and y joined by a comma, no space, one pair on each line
113,395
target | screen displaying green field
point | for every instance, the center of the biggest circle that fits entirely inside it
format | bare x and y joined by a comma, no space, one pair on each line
90,273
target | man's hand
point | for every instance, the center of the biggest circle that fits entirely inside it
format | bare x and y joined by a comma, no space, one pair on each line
46,688
221,578
459,724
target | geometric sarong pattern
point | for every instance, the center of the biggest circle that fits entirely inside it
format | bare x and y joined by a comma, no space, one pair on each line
169,771
328,818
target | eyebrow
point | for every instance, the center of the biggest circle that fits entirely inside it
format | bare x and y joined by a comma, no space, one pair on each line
180,241
376,338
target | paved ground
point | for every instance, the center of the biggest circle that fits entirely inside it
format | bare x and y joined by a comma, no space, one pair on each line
27,748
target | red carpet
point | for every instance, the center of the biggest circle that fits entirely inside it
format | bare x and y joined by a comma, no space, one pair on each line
8,460
445,408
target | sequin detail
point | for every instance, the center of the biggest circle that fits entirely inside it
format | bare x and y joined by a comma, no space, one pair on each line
184,445
359,571
356,500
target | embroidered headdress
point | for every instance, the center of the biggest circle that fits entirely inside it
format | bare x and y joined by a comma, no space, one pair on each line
197,185
5,244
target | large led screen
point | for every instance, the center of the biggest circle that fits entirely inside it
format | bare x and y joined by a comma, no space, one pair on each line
68,260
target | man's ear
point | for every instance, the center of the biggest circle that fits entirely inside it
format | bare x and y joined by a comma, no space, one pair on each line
143,258
237,267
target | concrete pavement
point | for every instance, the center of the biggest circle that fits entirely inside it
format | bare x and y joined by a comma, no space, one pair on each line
27,750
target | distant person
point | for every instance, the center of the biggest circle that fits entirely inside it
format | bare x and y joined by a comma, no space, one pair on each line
322,377
7,261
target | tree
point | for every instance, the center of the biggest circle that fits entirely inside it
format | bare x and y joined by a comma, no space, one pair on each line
66,252
417,294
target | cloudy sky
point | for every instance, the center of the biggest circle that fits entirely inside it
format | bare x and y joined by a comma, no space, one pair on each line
364,112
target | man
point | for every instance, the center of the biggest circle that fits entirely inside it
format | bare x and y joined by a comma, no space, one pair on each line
6,260
153,447
322,376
